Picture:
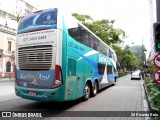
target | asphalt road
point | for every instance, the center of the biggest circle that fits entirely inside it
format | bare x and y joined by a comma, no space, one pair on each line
126,95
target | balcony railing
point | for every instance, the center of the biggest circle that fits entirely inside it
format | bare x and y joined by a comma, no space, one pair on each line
9,53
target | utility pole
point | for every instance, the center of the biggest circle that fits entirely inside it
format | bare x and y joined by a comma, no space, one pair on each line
142,53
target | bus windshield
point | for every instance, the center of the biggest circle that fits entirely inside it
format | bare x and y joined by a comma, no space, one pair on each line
39,18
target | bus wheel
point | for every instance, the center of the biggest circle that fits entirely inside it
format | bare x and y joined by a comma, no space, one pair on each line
95,89
114,82
87,92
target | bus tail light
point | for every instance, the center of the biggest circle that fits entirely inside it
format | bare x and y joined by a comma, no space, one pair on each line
55,8
58,77
15,75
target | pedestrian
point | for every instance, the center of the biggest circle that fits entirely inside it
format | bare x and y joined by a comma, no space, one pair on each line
142,73
145,71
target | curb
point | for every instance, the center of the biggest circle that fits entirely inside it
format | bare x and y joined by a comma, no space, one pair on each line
145,101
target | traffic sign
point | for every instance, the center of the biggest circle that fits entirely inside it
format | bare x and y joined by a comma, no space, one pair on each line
157,76
156,60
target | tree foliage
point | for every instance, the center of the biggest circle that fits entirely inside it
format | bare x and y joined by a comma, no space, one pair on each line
129,59
139,50
82,18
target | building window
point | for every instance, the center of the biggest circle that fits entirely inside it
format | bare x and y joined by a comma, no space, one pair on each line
9,45
8,67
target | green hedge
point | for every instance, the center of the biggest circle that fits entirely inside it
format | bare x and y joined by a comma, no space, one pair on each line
153,93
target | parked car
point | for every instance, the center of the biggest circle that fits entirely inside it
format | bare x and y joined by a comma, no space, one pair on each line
136,75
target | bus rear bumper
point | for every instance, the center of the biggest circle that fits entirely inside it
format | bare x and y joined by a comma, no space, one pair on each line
45,95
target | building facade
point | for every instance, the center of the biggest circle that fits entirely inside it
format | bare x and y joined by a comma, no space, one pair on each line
7,48
8,26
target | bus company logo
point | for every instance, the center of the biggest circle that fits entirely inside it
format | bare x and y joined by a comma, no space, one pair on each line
48,17
6,114
35,76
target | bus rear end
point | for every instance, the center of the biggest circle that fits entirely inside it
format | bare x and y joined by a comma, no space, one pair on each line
38,72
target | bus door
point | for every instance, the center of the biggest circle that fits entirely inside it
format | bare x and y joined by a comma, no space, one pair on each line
71,79
79,78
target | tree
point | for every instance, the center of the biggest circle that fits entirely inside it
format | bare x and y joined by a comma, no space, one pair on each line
139,50
128,59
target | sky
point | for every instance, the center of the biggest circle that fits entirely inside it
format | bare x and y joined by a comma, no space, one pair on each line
132,16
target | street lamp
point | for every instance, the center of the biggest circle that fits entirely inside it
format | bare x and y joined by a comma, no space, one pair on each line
144,52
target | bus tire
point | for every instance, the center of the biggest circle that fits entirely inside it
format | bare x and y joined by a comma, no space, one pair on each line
114,82
87,92
95,89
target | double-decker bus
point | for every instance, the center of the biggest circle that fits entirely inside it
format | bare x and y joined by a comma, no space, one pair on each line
59,59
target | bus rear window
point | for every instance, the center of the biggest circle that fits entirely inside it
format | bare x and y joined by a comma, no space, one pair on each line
46,17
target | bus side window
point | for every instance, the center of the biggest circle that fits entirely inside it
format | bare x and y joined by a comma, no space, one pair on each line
71,67
102,49
109,54
75,33
101,68
84,38
113,56
109,69
73,28
94,42
95,46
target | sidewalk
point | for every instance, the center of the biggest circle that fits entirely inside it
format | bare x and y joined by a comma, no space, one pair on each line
7,79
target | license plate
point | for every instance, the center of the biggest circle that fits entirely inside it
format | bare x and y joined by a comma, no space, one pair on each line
32,93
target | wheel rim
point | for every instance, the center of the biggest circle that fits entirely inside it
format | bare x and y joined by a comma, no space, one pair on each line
87,92
95,88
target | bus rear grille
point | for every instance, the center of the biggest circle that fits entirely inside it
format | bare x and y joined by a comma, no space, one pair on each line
35,57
